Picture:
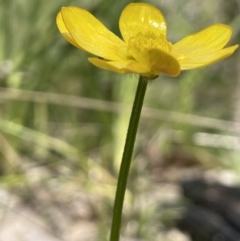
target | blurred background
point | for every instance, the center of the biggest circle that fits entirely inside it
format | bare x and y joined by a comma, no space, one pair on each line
63,124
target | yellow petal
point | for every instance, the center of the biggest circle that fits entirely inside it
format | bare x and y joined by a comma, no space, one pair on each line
204,42
91,35
141,17
204,60
63,30
130,66
157,60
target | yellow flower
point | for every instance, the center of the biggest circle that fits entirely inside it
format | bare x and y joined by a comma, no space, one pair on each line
144,48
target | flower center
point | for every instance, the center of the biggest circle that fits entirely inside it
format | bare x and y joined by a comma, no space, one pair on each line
150,40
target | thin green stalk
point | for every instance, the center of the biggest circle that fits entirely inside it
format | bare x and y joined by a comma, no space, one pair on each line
126,158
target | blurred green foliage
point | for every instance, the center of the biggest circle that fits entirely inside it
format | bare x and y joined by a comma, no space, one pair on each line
45,121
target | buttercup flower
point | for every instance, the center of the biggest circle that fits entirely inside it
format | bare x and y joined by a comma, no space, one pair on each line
144,48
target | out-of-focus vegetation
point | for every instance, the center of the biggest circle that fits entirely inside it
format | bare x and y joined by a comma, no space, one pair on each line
62,126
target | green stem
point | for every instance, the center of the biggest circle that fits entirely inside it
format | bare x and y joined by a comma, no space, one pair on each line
126,158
